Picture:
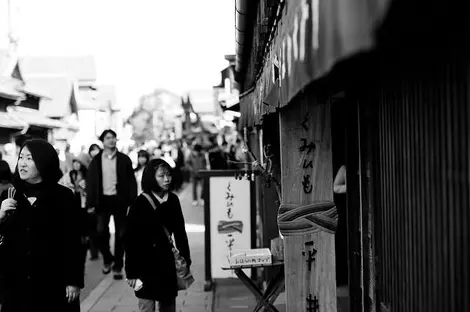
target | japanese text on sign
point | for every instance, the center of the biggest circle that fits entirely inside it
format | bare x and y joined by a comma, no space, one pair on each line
229,204
307,148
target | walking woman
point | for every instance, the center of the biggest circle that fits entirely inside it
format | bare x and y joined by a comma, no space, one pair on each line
143,158
149,256
94,150
40,251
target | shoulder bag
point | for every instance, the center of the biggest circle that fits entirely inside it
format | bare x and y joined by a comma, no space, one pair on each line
183,274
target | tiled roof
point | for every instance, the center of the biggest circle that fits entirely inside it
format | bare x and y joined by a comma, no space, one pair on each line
59,89
7,121
7,63
35,118
81,68
10,88
103,98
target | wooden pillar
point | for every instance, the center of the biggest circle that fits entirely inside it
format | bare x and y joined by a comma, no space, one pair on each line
307,217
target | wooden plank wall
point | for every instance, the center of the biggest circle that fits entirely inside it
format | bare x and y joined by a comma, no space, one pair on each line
308,120
424,192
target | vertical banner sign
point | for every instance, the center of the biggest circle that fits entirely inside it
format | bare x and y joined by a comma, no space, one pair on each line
230,221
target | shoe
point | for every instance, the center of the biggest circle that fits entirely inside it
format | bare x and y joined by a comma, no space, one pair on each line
106,268
195,202
117,275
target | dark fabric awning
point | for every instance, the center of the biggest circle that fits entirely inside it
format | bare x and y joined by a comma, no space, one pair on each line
311,37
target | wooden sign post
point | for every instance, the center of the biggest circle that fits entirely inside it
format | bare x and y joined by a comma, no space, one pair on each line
307,216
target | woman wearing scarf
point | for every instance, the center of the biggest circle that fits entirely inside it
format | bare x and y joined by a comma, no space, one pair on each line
41,249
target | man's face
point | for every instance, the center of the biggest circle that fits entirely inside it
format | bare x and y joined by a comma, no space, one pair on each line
109,141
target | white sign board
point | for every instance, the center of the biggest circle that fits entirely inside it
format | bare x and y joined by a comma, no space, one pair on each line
230,217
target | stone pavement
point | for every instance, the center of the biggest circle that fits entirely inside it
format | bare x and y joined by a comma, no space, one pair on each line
117,296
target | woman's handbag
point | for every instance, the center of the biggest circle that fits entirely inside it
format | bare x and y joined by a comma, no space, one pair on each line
183,274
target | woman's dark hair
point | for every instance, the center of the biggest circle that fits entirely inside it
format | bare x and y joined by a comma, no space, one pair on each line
83,170
46,160
142,153
92,147
197,147
105,132
5,172
149,183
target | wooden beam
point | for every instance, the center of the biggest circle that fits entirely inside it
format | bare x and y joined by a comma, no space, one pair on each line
307,217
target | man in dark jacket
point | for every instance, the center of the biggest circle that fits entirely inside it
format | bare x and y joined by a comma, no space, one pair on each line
111,188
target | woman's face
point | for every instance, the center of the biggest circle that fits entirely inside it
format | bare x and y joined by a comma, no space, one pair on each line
27,168
163,177
142,160
94,152
77,165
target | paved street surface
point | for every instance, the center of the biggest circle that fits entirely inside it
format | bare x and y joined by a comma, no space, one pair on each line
93,277
232,295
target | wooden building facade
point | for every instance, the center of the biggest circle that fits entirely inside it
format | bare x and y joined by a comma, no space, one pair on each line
357,84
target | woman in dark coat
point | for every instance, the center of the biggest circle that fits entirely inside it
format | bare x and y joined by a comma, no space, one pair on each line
149,257
41,248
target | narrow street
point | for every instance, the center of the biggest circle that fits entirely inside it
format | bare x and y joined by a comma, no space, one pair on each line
102,293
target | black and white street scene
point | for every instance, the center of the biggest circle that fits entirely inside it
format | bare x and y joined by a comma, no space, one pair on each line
234,155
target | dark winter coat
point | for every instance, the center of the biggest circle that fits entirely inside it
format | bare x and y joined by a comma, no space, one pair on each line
126,184
41,252
148,251
217,159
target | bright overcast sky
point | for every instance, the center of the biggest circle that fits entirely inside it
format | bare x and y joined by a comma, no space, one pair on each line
138,45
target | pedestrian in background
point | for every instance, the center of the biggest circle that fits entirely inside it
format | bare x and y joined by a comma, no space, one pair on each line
143,157
5,184
149,256
40,247
217,157
5,176
177,173
93,150
111,188
75,180
196,161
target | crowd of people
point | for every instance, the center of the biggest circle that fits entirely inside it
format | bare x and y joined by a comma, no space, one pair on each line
54,214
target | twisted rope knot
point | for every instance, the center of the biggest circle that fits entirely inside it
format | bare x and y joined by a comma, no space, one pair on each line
307,219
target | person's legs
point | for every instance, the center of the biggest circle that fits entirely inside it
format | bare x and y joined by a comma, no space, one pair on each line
195,197
119,215
102,219
201,181
146,305
167,306
93,243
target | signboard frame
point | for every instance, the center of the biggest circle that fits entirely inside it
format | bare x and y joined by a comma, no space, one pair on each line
206,175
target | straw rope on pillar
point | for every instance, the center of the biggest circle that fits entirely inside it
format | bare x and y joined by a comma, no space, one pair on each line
307,219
